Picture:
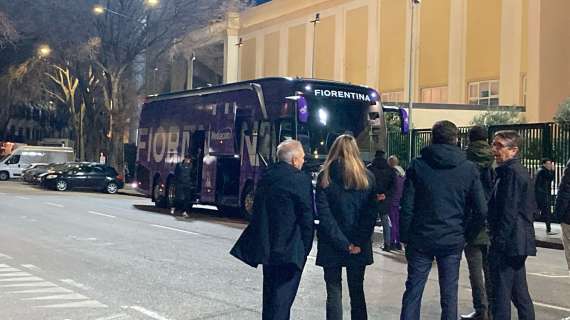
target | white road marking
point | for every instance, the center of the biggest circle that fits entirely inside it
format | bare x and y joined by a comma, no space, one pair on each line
3,194
115,317
54,204
15,274
80,304
29,284
551,306
24,198
205,206
549,275
9,270
22,279
149,313
174,229
75,284
44,290
70,296
31,267
5,256
101,214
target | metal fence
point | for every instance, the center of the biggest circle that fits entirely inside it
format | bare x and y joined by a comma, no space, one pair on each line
540,140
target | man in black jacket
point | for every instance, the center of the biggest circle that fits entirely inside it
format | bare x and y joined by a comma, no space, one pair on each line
385,177
562,210
440,187
542,190
185,185
511,210
280,234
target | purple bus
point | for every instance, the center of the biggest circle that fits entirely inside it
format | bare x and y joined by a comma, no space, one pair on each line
233,130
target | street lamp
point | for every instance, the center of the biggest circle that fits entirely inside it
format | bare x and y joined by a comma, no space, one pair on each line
314,22
411,79
238,45
152,3
99,10
44,50
192,60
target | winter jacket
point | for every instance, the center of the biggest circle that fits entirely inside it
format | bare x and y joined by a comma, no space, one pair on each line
345,217
441,189
282,227
385,178
511,211
543,186
479,152
562,208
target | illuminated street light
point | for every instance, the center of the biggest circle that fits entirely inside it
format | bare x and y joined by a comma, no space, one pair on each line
98,9
44,50
152,3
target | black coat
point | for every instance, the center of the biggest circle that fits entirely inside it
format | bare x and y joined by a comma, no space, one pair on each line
345,217
511,211
282,227
385,178
562,209
441,190
542,186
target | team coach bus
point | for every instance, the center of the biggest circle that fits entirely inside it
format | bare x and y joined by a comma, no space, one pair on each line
232,131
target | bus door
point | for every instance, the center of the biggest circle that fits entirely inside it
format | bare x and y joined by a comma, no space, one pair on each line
196,150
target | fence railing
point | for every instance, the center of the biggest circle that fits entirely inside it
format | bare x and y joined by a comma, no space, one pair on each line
539,140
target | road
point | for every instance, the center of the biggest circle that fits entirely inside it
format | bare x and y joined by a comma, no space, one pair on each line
83,255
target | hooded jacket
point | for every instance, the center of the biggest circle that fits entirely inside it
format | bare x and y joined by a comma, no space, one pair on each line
346,216
480,153
441,190
282,227
385,182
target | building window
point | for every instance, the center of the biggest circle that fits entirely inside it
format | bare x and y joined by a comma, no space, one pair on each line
434,95
394,96
484,92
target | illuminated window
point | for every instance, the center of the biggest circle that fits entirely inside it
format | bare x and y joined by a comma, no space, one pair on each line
484,92
434,95
394,96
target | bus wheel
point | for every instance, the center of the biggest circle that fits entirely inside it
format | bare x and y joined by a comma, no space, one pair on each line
158,196
171,194
247,202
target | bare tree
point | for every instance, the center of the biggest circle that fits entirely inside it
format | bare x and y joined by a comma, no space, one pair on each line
8,33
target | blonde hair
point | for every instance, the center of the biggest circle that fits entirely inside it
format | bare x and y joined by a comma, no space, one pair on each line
345,151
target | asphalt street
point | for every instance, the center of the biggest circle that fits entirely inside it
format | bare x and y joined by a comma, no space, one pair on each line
88,255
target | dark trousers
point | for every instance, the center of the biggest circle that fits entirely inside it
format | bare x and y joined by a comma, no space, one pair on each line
355,279
508,276
280,284
478,265
184,198
419,266
544,208
386,230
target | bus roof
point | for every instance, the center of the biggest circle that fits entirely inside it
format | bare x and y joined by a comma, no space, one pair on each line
247,85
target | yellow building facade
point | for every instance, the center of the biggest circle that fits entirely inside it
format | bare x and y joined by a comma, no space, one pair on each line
465,52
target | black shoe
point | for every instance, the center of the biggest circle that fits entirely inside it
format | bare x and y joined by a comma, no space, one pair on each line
396,246
386,248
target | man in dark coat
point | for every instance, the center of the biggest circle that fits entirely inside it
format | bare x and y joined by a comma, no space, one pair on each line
385,177
562,210
439,186
280,234
185,185
511,211
477,248
542,190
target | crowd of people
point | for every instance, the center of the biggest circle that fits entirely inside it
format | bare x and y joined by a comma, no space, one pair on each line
479,202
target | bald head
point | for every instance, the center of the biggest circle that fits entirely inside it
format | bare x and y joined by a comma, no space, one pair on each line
291,151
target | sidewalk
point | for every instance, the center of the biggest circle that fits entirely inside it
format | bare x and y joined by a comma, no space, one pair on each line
542,239
130,191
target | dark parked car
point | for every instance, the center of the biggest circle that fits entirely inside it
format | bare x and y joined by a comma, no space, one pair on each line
29,175
85,176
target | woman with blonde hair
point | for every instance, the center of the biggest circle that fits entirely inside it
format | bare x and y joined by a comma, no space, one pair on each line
346,207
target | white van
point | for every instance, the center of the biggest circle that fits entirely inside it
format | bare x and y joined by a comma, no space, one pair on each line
13,165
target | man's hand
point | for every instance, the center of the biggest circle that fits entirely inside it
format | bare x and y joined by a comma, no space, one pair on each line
352,249
380,197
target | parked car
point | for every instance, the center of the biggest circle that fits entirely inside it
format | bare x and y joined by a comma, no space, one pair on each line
85,176
13,165
29,175
40,174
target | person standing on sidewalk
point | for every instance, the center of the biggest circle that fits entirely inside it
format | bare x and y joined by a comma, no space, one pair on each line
395,202
441,190
479,152
384,176
346,206
511,211
280,234
562,210
185,186
542,191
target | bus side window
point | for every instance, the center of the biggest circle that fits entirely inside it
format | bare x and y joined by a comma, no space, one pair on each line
264,140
